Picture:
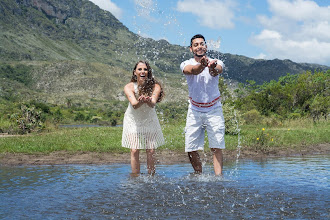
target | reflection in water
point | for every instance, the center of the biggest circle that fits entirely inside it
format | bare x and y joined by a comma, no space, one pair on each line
283,188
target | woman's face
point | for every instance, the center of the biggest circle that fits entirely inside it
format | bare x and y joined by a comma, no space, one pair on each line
141,73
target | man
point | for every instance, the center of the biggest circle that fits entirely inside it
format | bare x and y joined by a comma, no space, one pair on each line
205,109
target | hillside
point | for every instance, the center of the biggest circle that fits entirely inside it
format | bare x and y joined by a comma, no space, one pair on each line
74,50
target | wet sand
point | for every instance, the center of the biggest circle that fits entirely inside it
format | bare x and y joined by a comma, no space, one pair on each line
162,156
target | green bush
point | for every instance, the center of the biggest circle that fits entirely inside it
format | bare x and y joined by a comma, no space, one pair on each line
113,122
294,115
96,119
79,117
272,120
252,117
319,107
233,119
28,119
6,125
19,73
57,116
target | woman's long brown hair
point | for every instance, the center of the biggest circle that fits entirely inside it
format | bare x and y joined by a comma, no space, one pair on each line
149,83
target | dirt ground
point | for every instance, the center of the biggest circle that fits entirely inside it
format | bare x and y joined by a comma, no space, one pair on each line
162,156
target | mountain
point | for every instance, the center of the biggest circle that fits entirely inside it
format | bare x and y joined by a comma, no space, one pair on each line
241,68
75,50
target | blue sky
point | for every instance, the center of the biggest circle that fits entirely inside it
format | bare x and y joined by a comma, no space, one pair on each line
298,30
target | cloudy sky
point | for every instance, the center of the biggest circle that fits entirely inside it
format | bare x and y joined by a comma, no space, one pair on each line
298,30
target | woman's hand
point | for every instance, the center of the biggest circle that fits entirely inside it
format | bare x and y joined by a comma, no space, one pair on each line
144,99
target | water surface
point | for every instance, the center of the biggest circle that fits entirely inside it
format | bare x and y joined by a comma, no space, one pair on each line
289,188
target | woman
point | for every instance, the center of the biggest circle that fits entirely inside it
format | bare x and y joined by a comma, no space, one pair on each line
141,128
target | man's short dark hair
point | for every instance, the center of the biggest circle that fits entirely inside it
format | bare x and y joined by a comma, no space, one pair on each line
196,36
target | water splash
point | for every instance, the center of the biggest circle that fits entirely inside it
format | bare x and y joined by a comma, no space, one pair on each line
150,15
214,44
145,8
238,138
183,202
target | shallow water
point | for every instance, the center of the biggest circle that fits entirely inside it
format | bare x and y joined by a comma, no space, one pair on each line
289,188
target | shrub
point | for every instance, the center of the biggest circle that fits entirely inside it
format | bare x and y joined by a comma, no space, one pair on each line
252,117
28,119
113,122
96,119
319,107
233,118
79,117
58,116
272,120
294,115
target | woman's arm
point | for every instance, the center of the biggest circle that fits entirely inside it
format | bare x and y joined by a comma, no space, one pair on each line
129,92
154,96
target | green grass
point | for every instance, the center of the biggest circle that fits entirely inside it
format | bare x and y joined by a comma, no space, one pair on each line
291,135
103,139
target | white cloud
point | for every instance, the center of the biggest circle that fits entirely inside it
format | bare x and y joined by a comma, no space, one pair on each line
108,5
298,30
299,10
215,14
260,56
268,34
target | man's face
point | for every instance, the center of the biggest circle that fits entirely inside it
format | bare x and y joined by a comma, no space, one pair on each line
198,47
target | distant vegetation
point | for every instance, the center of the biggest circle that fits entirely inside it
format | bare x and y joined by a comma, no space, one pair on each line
20,73
291,97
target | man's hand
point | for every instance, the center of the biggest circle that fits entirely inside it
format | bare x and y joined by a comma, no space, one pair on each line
214,70
213,64
204,61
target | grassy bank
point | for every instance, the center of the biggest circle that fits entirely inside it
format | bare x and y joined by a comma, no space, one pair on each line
292,134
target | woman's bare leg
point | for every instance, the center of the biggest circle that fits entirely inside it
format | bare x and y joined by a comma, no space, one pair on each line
151,161
135,161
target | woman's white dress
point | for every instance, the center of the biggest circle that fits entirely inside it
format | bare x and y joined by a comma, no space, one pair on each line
141,128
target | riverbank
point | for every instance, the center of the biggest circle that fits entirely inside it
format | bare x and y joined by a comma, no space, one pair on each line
162,156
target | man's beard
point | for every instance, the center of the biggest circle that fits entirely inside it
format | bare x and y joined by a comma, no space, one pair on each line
197,55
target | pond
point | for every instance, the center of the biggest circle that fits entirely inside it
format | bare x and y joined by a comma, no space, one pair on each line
289,188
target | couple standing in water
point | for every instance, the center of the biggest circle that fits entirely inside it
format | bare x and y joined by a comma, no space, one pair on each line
141,128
